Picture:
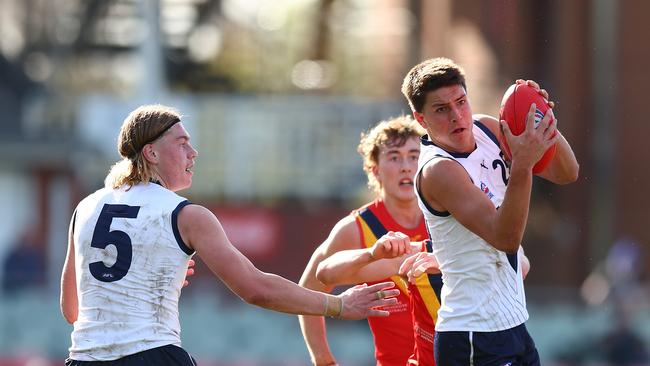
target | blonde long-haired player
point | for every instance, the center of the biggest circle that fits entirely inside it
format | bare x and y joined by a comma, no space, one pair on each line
129,247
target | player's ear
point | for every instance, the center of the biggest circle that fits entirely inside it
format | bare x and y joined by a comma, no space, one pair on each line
420,118
375,173
149,153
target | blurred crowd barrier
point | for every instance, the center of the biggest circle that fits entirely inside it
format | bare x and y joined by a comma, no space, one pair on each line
219,330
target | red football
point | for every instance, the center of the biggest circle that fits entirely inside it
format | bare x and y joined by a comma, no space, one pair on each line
514,108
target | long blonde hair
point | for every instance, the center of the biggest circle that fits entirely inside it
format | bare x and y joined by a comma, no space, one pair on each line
393,132
141,127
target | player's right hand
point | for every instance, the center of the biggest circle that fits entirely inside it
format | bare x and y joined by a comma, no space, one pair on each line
391,245
528,147
361,301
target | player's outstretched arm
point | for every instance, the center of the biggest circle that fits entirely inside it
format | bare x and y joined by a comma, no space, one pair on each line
68,300
380,261
344,235
201,230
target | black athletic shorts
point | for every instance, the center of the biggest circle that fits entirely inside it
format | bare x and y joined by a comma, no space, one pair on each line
168,355
510,347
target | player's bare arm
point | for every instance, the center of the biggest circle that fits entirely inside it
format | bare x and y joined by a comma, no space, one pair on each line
344,235
563,168
446,187
380,261
69,301
202,231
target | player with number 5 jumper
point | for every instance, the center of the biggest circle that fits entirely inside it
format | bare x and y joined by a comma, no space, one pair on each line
130,243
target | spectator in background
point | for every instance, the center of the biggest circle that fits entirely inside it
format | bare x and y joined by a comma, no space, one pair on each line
615,284
622,346
624,267
24,266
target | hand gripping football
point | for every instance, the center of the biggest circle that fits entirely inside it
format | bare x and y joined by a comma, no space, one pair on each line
514,108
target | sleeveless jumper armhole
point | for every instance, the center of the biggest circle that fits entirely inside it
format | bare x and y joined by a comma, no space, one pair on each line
357,222
378,230
419,192
177,234
74,221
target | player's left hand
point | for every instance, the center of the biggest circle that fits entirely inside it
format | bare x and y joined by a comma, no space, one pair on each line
542,92
417,264
190,272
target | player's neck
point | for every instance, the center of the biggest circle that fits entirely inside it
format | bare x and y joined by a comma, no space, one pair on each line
406,213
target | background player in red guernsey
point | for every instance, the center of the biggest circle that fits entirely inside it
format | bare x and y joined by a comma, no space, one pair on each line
390,153
383,260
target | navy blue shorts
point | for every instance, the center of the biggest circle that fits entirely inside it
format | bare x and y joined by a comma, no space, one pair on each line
169,355
510,347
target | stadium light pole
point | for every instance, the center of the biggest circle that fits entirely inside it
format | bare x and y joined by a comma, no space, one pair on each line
605,78
152,87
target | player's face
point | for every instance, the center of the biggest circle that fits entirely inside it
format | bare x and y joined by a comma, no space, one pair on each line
447,117
396,166
175,158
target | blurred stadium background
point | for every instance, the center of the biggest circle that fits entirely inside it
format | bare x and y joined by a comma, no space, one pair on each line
276,94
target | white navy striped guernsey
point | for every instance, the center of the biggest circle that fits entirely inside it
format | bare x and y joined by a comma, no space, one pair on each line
130,264
482,287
